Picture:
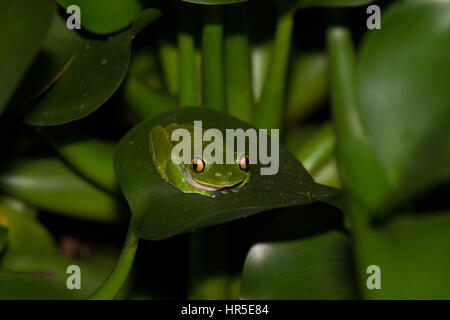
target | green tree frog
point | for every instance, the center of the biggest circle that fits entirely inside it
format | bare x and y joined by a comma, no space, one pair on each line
200,176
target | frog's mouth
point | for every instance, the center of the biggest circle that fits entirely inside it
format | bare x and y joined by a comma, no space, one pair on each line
205,186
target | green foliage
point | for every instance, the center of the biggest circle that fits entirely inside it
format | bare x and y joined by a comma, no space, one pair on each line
20,228
48,184
238,68
410,250
307,86
290,5
378,161
15,286
93,72
105,16
385,144
410,142
27,26
96,71
55,55
316,258
146,101
90,156
39,257
155,204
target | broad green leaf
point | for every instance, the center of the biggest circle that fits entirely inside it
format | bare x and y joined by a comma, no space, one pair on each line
93,274
302,255
95,73
15,286
48,184
24,26
217,254
412,253
26,234
97,69
92,157
355,158
214,2
32,249
105,16
54,57
19,206
292,5
404,109
160,210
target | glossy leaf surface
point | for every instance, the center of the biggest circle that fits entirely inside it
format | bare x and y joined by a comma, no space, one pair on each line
97,70
48,184
105,16
30,287
414,110
301,255
160,210
24,26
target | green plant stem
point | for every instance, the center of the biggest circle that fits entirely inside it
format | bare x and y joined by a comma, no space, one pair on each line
355,154
204,281
367,244
186,47
328,174
212,58
168,57
260,58
318,150
144,100
238,72
269,113
343,95
343,84
344,105
111,287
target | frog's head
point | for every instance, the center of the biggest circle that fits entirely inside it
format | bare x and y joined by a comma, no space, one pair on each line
207,175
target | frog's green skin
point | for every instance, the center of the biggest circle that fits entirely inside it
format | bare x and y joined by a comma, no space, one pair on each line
215,178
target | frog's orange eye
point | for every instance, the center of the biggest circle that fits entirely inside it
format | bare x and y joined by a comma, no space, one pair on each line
198,165
244,162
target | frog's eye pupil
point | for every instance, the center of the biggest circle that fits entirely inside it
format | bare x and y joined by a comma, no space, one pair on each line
198,165
244,162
